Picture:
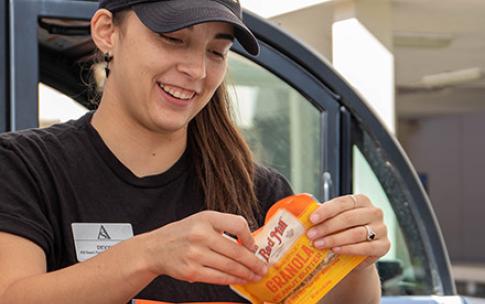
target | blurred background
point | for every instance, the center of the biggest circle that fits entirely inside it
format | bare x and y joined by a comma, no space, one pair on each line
420,64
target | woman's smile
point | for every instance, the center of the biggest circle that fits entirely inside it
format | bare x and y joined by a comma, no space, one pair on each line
164,83
177,96
177,92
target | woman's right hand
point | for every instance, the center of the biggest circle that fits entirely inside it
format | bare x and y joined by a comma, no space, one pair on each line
195,249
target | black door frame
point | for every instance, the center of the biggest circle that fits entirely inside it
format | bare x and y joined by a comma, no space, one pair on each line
4,96
24,55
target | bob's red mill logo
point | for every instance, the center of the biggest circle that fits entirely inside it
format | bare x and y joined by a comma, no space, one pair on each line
278,236
274,239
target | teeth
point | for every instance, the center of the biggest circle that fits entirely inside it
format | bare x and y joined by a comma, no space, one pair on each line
177,93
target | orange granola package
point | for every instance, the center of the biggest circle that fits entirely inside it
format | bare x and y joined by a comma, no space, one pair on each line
298,272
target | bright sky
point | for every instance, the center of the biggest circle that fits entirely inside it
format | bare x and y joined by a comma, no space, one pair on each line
271,8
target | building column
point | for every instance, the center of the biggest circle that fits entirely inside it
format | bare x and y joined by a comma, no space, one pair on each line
362,52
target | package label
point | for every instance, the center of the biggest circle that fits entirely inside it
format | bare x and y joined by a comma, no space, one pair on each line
298,273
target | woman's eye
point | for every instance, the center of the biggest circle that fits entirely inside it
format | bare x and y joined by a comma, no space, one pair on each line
172,40
218,54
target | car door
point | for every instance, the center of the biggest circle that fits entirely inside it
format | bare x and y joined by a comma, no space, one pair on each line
297,114
3,66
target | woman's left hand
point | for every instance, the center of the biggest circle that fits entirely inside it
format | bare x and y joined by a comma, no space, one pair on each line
350,225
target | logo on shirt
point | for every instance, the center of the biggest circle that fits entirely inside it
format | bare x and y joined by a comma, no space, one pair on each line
103,234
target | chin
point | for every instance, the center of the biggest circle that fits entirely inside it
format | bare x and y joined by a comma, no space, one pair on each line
170,126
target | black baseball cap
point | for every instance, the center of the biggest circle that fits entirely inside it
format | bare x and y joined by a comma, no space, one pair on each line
165,16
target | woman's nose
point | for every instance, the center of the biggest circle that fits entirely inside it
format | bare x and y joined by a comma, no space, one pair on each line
194,65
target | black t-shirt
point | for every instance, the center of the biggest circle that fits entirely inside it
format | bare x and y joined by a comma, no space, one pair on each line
54,177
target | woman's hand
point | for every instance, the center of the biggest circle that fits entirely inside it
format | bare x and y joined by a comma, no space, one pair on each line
195,249
347,224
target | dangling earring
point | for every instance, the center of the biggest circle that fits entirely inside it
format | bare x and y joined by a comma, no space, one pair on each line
107,58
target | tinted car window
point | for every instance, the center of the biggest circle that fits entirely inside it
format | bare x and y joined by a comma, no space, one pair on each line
405,270
281,126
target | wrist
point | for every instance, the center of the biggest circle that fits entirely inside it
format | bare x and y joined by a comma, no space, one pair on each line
138,259
149,258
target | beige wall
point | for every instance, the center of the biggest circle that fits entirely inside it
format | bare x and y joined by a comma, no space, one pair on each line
305,23
451,151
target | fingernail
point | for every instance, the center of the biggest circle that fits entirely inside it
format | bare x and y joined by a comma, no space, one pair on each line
320,244
241,282
311,233
314,218
256,277
264,270
336,249
255,248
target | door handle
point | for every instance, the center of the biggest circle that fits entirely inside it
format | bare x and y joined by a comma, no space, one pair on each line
327,186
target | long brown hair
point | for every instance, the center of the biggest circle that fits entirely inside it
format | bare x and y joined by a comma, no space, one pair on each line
223,161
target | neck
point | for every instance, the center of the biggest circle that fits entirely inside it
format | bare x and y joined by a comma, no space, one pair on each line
144,152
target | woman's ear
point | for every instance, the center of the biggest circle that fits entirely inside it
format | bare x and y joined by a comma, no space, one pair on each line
103,30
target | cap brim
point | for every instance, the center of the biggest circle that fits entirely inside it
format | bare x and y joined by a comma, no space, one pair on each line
170,16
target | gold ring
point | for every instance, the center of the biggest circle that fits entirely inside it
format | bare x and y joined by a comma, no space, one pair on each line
354,199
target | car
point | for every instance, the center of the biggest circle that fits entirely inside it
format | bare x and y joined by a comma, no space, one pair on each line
298,115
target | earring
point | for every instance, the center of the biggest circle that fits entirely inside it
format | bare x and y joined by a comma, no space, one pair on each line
107,58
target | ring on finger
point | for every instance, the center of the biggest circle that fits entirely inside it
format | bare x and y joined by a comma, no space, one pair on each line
371,234
354,199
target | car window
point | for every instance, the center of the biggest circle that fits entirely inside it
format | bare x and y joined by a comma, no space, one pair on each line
405,269
281,126
56,107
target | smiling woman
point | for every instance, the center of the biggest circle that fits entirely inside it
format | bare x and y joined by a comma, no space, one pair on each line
143,191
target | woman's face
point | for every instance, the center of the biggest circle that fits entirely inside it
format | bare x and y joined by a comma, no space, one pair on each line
163,80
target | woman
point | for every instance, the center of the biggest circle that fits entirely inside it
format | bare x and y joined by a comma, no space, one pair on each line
143,189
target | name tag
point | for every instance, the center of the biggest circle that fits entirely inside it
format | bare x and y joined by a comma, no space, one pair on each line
90,239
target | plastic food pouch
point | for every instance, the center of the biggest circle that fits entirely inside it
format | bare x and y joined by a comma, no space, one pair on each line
158,302
298,272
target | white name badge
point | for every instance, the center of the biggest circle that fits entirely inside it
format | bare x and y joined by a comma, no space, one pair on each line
91,239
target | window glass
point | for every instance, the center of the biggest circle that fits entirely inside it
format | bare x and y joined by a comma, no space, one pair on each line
404,270
281,126
55,107
63,46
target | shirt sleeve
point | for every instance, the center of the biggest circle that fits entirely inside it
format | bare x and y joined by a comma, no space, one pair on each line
271,186
21,209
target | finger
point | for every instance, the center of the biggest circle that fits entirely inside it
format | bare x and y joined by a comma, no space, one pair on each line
376,248
229,266
235,225
214,276
345,220
236,252
350,236
338,205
